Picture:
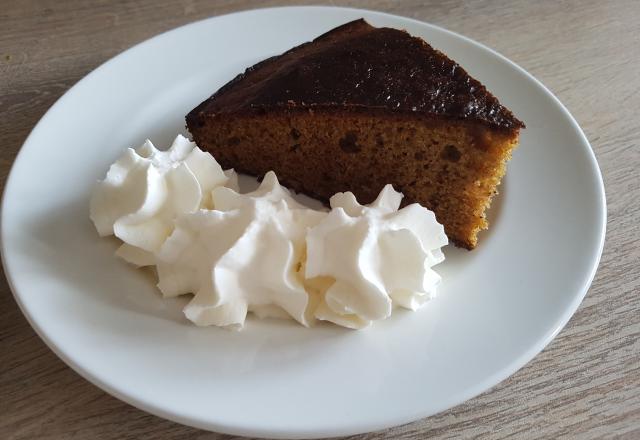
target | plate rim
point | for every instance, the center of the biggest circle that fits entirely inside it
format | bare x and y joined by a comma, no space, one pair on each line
221,427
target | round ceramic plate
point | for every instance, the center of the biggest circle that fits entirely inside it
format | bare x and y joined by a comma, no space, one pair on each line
498,307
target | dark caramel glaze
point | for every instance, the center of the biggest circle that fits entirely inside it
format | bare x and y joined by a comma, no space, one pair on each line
357,66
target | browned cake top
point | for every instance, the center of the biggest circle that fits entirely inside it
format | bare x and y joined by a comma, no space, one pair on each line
359,66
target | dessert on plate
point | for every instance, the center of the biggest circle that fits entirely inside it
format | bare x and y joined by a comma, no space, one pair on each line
348,118
360,107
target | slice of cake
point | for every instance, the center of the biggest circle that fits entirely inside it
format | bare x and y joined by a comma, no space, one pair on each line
360,107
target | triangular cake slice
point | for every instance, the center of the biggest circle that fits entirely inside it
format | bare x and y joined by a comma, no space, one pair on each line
360,107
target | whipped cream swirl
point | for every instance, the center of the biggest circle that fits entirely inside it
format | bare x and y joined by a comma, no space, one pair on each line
243,256
146,189
363,260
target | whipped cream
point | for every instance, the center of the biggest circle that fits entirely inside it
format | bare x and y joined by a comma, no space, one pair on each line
145,190
363,260
263,252
243,256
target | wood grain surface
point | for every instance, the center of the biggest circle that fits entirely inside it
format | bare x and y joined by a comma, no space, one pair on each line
585,384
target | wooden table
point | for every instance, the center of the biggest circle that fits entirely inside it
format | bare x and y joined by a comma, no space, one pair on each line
586,384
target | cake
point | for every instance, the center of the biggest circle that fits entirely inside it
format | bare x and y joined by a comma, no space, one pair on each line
360,107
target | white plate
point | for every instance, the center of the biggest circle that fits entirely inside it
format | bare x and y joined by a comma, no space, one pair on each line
498,307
